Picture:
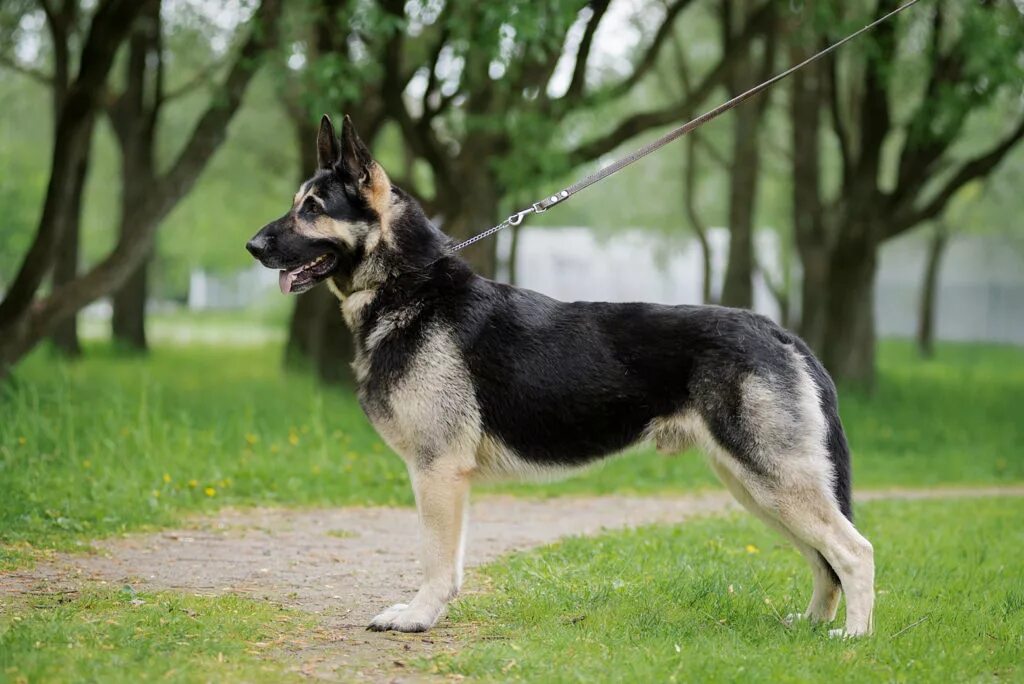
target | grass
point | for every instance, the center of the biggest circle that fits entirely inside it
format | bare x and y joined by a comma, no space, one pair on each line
119,636
115,443
703,602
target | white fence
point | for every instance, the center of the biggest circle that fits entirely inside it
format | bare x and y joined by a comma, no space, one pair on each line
981,286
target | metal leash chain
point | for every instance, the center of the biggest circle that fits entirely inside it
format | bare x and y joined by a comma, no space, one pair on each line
543,205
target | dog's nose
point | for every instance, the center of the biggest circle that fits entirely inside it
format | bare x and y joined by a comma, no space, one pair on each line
257,246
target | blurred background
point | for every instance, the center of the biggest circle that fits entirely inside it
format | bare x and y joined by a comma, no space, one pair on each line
870,196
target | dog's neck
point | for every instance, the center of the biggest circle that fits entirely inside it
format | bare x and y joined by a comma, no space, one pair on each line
403,263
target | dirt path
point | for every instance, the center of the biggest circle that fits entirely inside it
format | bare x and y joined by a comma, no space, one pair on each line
346,564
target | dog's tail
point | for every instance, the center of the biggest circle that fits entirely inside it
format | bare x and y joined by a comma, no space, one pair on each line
836,444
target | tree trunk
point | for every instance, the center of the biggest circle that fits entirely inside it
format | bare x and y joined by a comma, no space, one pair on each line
24,320
65,267
129,320
318,338
812,242
738,287
848,350
476,211
929,291
813,295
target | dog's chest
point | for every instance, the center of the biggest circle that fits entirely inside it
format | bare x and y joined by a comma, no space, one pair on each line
416,390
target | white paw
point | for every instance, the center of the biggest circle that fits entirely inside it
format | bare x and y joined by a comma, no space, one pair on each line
792,619
403,618
846,633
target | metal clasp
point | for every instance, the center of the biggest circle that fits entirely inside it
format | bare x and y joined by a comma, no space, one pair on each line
545,204
517,218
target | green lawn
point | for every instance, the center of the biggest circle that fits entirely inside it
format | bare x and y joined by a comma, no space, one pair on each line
113,443
703,602
120,636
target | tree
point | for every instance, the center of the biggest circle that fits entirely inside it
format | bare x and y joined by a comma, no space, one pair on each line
62,18
748,69
135,114
472,89
937,242
24,319
325,80
972,58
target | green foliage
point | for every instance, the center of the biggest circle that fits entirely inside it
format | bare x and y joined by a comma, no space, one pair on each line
122,636
24,155
704,602
112,443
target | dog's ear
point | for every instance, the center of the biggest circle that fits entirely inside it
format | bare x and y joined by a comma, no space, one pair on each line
358,165
327,149
356,160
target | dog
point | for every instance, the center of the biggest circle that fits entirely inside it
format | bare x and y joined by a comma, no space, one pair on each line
468,379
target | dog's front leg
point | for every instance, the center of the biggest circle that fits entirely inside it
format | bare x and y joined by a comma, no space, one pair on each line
441,499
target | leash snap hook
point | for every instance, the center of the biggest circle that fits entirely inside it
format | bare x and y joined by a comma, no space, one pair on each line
517,218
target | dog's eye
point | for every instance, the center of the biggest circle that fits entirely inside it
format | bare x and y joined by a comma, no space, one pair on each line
312,206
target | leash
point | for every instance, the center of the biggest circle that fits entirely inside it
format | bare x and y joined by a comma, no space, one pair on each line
543,205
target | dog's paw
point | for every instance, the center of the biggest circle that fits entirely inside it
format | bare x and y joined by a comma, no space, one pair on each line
403,618
846,633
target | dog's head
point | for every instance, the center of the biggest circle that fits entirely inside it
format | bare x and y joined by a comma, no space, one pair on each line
336,217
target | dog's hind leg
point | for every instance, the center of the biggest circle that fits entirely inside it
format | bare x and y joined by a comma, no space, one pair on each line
442,493
827,591
814,517
806,511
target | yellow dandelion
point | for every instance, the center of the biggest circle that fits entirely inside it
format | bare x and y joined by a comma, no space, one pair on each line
274,448
209,491
22,440
752,549
193,483
87,464
293,438
156,493
167,478
251,439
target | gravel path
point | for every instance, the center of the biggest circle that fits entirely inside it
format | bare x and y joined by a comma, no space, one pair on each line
346,564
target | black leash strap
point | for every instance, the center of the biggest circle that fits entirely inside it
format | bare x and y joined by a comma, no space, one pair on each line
676,133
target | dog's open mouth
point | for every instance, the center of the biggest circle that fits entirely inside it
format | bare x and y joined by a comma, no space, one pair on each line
307,275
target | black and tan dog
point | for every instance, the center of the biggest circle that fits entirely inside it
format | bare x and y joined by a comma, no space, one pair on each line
469,379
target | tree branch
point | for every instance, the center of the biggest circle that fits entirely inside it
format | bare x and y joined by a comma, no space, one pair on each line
135,245
831,72
700,228
73,132
579,73
875,114
202,77
977,167
211,128
643,121
650,56
435,55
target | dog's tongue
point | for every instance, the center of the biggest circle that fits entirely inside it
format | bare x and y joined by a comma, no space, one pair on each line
285,280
